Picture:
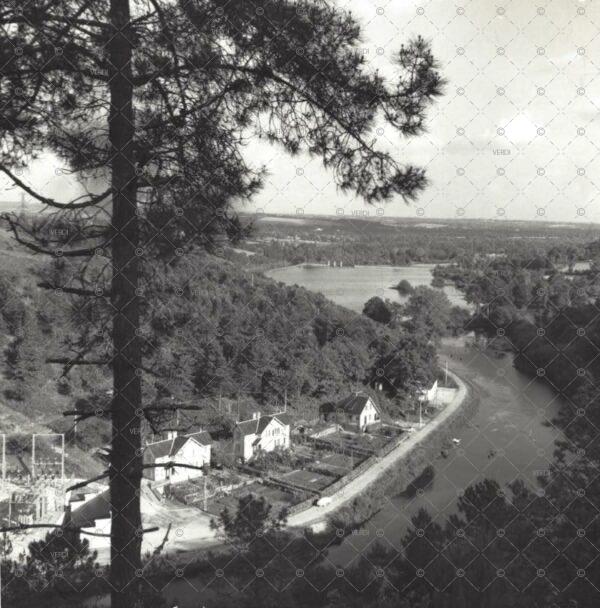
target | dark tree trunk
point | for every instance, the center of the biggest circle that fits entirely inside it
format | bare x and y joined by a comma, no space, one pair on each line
126,461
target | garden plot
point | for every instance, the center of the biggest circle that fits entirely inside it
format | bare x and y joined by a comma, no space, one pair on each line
309,480
337,464
278,498
347,443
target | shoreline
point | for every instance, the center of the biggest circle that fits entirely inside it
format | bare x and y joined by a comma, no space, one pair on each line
318,517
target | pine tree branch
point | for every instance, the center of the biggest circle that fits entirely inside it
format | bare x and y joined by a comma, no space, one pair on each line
87,482
72,290
172,464
143,531
92,201
58,252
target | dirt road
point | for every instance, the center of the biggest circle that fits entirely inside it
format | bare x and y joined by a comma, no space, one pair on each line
315,515
195,535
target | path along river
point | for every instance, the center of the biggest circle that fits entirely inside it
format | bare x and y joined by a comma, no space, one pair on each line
509,436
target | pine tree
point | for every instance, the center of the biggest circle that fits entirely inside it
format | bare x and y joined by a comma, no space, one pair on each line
157,98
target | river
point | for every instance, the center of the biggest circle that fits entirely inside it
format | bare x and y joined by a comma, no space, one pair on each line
509,436
353,286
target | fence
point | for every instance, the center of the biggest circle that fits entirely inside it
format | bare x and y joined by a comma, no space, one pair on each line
331,446
343,481
293,488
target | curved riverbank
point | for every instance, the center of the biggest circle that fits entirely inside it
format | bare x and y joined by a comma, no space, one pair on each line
194,538
318,515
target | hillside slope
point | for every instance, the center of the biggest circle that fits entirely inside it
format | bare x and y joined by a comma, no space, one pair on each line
216,337
224,331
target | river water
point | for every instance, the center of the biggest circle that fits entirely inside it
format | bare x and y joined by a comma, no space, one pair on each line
353,286
509,436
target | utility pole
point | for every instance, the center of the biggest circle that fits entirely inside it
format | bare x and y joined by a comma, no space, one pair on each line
4,457
33,457
62,461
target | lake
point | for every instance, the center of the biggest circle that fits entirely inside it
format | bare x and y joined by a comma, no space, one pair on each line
353,286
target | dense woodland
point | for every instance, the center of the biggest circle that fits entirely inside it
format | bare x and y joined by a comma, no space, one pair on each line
219,335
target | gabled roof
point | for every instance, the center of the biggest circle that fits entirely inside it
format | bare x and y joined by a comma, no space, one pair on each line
256,426
159,449
355,404
202,437
96,508
170,447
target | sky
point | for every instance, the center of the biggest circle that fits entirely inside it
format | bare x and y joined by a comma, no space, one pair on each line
516,135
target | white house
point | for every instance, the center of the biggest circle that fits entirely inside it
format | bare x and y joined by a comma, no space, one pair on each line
357,411
428,395
261,433
193,449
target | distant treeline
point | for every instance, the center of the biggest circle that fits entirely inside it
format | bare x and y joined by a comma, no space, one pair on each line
360,242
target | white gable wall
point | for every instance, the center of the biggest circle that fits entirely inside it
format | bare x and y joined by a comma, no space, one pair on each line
369,415
275,435
191,453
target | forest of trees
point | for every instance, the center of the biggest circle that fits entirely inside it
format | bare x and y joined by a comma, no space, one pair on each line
217,332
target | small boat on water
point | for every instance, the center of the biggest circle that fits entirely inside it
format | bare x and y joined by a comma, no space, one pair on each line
455,441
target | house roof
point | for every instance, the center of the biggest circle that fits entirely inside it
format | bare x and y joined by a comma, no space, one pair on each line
159,449
96,508
202,437
354,404
256,426
170,447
